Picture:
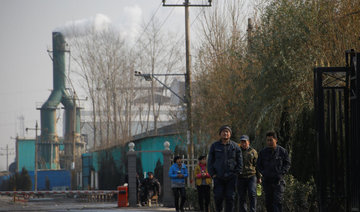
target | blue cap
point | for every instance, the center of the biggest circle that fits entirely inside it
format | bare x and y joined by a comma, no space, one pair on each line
244,138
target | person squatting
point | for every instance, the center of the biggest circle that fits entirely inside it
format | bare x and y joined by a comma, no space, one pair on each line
149,188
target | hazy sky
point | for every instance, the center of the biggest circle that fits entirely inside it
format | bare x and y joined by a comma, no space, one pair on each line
25,66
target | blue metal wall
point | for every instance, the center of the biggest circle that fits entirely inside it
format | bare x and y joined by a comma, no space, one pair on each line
26,159
149,159
26,154
86,169
59,179
4,178
91,161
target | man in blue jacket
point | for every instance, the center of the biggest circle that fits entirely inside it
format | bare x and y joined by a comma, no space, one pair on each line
177,173
273,163
224,166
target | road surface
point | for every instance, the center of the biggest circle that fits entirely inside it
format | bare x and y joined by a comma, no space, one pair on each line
69,205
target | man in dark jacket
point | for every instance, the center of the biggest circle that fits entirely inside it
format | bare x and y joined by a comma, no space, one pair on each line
150,187
224,166
273,163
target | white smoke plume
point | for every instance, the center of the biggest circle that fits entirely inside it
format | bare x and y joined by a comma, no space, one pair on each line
83,26
130,22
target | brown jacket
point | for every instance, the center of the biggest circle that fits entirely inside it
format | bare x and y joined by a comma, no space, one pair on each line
250,157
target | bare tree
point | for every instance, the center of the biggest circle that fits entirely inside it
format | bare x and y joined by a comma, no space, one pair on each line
256,85
158,55
219,67
104,65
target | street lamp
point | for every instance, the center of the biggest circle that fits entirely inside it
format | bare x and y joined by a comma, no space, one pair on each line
36,153
187,101
149,77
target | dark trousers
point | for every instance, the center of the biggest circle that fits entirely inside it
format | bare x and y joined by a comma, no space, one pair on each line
225,189
274,192
204,197
179,193
247,185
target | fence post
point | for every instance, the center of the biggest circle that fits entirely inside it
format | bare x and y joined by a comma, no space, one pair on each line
168,199
131,156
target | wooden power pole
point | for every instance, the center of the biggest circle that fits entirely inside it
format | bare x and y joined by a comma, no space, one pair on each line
189,132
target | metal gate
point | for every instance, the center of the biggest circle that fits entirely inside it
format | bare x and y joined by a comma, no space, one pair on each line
337,110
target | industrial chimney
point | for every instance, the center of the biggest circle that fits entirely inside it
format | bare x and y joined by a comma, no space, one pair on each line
49,144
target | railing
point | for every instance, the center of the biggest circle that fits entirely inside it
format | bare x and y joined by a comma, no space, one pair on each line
337,109
80,195
189,165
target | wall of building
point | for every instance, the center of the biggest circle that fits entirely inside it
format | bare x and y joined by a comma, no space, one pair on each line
92,161
57,179
25,154
25,158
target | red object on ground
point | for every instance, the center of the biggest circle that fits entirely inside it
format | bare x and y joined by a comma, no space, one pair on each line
123,196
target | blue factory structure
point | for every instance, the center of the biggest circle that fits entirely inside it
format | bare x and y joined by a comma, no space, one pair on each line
91,175
95,163
47,179
62,163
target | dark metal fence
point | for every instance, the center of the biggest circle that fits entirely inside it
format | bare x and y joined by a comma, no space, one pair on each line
354,157
338,121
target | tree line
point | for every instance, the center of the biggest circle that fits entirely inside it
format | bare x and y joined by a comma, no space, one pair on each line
253,70
120,102
262,78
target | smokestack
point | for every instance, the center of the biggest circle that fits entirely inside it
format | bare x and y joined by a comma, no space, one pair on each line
49,148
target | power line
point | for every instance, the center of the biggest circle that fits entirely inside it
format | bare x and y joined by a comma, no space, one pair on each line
158,30
148,24
7,155
189,133
183,35
161,25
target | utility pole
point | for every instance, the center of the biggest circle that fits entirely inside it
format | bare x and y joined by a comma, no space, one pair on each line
73,172
36,154
189,133
7,155
74,133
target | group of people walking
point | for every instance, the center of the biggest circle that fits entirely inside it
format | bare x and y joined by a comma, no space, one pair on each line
232,166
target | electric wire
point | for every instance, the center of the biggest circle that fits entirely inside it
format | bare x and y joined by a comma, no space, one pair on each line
161,25
148,24
183,35
142,33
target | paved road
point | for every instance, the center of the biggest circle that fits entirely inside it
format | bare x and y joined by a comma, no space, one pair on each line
69,205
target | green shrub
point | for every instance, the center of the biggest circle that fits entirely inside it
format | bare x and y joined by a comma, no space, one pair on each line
191,199
298,196
192,202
